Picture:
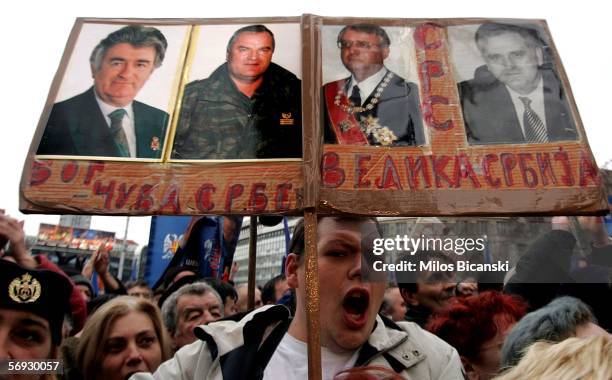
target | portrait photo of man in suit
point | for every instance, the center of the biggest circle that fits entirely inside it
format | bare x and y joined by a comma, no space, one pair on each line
516,96
374,105
106,120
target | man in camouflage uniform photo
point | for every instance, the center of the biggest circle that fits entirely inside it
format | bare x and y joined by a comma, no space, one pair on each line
248,108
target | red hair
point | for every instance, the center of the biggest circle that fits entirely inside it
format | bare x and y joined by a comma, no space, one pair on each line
471,321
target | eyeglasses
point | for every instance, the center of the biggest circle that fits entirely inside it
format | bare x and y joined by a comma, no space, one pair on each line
343,44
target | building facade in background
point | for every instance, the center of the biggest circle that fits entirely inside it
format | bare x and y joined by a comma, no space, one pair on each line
77,221
70,247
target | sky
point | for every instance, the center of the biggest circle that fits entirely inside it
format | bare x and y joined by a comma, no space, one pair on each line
35,34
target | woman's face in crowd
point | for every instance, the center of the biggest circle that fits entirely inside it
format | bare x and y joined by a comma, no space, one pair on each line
132,346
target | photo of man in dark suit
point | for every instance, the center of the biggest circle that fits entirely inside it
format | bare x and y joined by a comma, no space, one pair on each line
374,106
516,97
105,120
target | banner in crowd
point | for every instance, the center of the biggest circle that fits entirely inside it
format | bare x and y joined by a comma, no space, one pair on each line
165,237
204,245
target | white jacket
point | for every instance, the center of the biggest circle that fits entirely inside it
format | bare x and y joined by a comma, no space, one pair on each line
404,347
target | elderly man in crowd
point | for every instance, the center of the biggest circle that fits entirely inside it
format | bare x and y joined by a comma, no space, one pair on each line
190,306
426,292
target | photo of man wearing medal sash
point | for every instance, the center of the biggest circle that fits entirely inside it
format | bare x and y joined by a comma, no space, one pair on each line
374,105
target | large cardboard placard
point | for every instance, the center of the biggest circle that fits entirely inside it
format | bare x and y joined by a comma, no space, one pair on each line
455,142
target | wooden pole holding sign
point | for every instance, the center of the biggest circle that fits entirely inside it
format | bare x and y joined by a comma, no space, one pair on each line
312,138
312,295
252,262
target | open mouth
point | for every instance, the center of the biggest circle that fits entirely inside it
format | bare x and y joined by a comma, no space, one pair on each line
355,306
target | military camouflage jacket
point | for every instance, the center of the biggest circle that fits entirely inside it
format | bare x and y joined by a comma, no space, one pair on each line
219,122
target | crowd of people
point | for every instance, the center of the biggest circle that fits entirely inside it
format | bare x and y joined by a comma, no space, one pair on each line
201,328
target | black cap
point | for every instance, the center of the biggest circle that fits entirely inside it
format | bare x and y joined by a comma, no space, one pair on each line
42,292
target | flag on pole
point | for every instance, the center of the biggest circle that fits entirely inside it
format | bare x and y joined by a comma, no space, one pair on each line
207,247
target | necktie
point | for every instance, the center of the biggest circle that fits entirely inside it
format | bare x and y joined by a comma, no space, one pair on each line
355,96
535,131
117,132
